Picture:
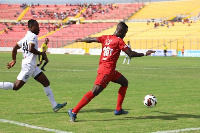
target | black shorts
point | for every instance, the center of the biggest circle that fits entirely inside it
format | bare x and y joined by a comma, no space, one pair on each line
165,51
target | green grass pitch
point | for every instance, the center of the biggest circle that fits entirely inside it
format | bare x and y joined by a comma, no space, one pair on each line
175,81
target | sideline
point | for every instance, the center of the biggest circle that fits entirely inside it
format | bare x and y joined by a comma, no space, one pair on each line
32,126
178,130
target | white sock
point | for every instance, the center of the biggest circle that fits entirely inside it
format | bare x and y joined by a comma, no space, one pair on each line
6,85
124,60
50,95
129,61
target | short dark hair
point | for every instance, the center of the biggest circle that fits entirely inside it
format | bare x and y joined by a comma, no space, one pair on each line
31,22
122,25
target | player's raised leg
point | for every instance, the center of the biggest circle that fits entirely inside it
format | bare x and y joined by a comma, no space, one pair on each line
41,77
6,85
84,101
22,78
13,86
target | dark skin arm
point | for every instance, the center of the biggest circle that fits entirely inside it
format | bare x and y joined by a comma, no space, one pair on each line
129,52
14,54
87,40
34,51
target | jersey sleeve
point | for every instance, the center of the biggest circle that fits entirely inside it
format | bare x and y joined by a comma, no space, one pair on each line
101,39
20,43
122,45
33,39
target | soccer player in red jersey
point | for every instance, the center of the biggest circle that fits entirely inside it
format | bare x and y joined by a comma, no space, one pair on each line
111,48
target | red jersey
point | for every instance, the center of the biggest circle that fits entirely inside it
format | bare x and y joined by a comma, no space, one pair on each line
111,48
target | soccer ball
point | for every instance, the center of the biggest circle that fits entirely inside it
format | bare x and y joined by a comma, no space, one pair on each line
150,101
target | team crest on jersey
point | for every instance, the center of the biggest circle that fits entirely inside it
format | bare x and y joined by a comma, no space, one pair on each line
32,39
27,76
108,41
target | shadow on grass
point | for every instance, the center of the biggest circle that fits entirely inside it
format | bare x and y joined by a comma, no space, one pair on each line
32,113
66,111
97,110
164,116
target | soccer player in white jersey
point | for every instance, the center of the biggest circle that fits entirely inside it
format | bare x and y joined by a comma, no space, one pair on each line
29,45
126,56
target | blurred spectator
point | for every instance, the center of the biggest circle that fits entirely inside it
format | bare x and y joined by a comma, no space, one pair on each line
6,31
183,51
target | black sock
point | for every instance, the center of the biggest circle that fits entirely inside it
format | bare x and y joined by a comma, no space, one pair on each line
44,65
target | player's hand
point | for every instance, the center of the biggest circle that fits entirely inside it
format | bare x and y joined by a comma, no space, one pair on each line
11,64
79,40
150,52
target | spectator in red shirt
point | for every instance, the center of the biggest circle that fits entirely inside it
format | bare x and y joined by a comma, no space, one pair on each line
111,48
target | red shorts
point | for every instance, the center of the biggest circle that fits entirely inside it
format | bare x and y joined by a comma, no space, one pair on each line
103,79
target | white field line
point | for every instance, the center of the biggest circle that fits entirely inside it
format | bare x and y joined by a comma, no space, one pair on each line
32,126
178,130
82,70
66,70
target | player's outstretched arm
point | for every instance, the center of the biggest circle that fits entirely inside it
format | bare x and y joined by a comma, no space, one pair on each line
34,51
14,54
131,53
88,40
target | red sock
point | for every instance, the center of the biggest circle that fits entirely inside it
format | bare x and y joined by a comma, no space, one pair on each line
85,100
121,95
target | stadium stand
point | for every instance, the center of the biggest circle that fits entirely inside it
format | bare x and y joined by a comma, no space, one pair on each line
142,35
111,11
52,12
10,12
2,26
166,10
72,32
16,32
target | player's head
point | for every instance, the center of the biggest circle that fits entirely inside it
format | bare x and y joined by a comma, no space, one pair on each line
128,42
121,30
33,26
46,40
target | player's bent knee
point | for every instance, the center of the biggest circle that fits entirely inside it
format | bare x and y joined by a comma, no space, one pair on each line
47,83
96,90
125,83
96,93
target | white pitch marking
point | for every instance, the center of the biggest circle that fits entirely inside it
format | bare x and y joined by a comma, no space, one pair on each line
178,130
82,70
32,126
